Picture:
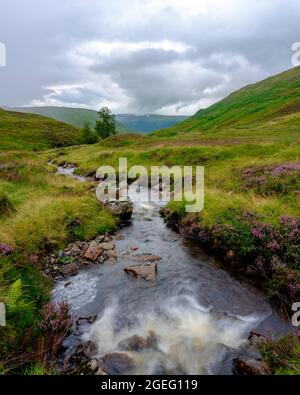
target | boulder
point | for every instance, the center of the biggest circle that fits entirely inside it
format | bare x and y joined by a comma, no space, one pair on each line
121,208
70,269
93,252
111,254
116,363
147,271
109,245
251,367
138,343
94,367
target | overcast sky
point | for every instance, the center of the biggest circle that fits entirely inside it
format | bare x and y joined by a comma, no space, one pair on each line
141,56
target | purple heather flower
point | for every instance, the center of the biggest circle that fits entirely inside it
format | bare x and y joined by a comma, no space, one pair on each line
5,249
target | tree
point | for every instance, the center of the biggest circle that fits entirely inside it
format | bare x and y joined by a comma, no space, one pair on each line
88,135
105,124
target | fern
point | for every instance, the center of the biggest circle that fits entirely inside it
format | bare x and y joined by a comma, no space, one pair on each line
16,304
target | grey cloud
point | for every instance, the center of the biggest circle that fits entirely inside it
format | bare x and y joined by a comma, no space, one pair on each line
238,44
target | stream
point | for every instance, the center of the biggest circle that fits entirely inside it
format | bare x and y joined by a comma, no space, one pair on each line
200,314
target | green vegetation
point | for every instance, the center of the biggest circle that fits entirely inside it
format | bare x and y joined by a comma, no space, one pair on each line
38,210
249,144
283,355
267,111
88,135
125,122
105,124
72,116
252,176
32,132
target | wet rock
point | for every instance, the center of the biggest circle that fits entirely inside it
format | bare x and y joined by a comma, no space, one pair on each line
5,249
77,361
93,252
94,367
251,367
122,209
256,339
145,257
111,261
106,246
134,248
90,319
146,271
138,343
110,254
119,237
230,255
70,269
116,363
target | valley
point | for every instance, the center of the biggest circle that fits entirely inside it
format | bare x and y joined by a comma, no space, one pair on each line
234,267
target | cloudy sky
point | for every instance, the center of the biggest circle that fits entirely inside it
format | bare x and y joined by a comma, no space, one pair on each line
141,56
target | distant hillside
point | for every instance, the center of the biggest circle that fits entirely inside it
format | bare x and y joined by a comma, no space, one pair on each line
73,116
148,123
125,122
270,107
20,131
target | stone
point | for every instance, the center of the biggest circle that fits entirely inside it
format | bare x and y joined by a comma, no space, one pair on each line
106,246
94,366
146,271
119,237
110,254
70,269
231,255
251,367
86,350
145,257
121,208
116,363
90,319
133,248
138,343
93,252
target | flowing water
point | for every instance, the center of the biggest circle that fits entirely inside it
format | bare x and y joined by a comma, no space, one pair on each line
200,314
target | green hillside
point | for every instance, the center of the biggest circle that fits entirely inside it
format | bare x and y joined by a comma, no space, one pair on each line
269,109
33,132
73,116
125,122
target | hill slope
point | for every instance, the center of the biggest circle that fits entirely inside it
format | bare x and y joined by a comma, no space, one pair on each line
125,122
72,116
269,106
33,132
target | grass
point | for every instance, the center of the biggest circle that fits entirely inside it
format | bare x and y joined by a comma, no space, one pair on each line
72,116
283,355
256,128
32,132
44,206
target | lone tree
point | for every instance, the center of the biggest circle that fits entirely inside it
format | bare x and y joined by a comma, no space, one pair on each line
89,136
105,124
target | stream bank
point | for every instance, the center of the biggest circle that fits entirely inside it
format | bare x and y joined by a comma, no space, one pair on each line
195,319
